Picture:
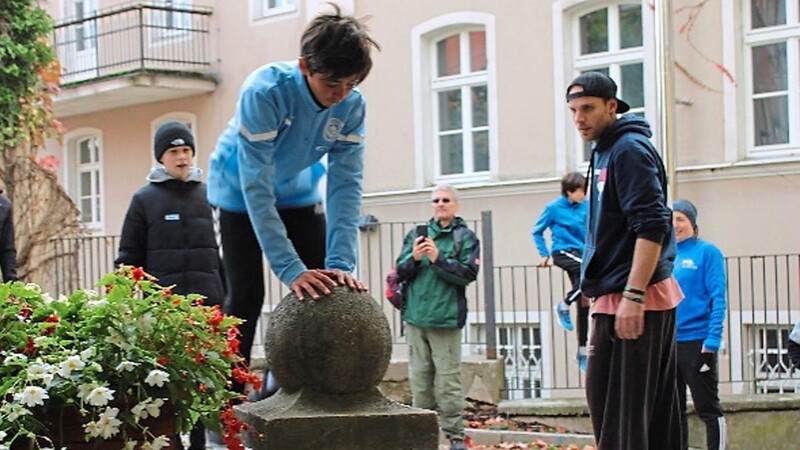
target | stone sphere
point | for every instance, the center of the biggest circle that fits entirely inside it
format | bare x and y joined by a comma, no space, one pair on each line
340,344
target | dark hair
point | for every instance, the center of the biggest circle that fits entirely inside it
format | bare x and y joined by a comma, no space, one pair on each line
337,46
573,181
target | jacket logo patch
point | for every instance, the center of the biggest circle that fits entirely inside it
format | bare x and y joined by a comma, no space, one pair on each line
332,129
688,264
172,217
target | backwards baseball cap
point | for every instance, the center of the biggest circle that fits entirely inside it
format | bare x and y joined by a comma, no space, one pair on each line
597,84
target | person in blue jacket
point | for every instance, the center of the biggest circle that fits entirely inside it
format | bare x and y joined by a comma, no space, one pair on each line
566,219
265,171
700,271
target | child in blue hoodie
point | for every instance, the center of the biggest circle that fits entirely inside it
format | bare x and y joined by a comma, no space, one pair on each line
700,271
566,219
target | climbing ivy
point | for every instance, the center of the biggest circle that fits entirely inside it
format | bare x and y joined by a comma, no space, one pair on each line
29,74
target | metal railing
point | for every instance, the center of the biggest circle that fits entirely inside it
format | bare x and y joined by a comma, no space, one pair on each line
133,38
538,355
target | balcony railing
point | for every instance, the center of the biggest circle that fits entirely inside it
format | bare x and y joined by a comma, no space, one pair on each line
133,38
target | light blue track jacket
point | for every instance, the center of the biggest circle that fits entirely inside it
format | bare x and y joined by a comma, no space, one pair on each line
700,271
567,223
268,159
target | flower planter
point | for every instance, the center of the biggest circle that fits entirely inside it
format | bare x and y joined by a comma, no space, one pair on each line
67,430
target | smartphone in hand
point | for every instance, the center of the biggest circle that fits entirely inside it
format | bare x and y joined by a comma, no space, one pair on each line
422,230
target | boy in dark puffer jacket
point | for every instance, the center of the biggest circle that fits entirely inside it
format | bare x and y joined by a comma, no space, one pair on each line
169,229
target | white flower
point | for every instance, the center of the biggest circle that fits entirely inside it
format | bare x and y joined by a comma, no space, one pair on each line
92,304
130,445
126,366
38,340
72,363
16,412
32,396
100,396
160,442
47,298
148,408
85,389
47,379
157,444
92,429
33,287
87,354
13,357
157,378
36,370
108,424
3,435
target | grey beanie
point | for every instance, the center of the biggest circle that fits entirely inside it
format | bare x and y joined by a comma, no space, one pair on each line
688,209
172,134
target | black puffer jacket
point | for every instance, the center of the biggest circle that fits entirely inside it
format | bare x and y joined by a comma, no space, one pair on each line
169,232
8,250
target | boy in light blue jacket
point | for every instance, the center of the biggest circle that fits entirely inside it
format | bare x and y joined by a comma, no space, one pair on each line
566,219
265,171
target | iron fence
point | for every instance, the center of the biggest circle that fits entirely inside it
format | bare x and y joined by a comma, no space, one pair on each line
133,38
511,312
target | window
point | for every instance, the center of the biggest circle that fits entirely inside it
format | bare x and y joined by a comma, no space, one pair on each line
85,179
170,22
772,40
520,348
610,40
771,366
267,8
460,99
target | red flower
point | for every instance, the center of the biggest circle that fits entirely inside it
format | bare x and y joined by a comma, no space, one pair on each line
50,328
30,347
26,312
137,273
216,318
167,292
162,360
233,428
109,288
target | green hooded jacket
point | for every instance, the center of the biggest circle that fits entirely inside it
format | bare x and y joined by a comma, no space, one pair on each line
435,295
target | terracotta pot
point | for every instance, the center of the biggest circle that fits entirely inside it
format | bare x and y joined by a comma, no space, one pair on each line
68,431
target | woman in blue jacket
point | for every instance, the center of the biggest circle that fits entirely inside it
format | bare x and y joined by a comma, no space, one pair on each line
700,271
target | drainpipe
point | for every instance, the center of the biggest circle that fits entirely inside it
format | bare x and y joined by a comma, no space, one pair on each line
665,89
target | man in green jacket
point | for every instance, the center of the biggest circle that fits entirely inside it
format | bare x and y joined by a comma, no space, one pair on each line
438,261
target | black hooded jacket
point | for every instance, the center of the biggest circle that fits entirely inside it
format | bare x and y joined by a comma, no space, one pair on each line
628,200
169,232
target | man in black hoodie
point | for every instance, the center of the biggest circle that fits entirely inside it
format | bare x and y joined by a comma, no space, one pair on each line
627,272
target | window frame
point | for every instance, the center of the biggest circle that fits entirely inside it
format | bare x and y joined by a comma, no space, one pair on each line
464,81
779,378
168,26
423,44
613,59
74,171
260,10
751,38
566,37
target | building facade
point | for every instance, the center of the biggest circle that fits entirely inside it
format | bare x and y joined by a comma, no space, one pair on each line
470,93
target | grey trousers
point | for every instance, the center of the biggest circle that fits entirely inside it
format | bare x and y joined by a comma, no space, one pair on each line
434,373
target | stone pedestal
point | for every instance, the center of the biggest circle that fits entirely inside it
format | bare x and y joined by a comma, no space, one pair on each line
328,356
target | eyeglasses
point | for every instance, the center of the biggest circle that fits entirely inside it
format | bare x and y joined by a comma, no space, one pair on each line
443,200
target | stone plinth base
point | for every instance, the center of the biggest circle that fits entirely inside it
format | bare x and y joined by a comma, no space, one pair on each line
307,419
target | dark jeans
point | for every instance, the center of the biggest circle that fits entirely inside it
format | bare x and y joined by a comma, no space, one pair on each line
244,270
631,386
699,371
569,261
